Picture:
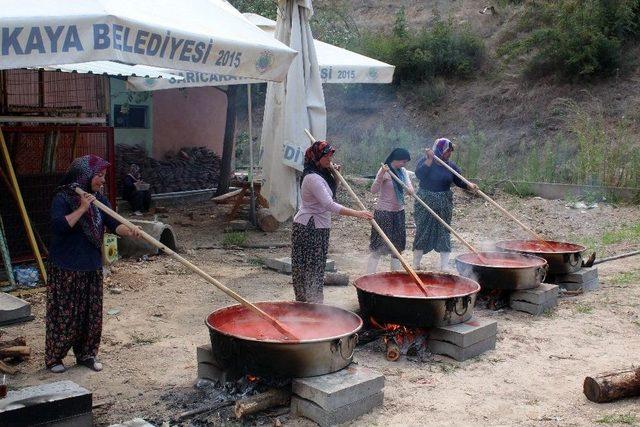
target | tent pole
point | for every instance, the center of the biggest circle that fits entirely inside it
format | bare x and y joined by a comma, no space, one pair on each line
23,210
252,203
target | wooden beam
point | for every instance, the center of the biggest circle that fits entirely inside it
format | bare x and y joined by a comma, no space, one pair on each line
22,208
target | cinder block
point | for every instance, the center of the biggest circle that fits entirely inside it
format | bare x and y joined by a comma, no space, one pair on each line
325,418
58,403
215,373
534,309
584,287
462,353
583,275
204,354
13,309
333,391
283,265
467,333
540,295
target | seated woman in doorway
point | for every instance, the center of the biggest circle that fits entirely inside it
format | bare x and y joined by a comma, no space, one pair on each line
311,225
74,269
389,211
132,191
435,191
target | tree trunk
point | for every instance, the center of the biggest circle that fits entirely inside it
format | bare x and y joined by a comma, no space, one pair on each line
612,386
266,221
229,137
260,402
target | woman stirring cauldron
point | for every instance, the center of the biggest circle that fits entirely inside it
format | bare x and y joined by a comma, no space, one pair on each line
311,225
435,191
74,288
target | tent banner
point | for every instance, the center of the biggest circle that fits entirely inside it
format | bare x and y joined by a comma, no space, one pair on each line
189,79
293,155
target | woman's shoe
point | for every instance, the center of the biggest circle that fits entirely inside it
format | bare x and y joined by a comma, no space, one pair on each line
58,369
91,363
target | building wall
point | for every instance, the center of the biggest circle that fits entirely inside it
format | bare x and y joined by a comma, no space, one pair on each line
119,96
188,117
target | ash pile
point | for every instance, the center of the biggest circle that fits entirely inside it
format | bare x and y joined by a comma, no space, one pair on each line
191,168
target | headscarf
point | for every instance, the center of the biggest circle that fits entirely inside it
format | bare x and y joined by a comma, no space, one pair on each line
134,171
398,154
312,156
441,146
80,174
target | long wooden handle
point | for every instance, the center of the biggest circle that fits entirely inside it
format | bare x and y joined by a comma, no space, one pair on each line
432,212
278,325
375,225
490,200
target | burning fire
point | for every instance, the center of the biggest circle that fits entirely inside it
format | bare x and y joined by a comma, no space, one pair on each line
398,338
252,378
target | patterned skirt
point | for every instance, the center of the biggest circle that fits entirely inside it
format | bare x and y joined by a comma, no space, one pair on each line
430,234
309,248
393,225
74,314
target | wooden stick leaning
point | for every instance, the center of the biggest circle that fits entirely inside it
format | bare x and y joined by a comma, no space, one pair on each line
435,215
278,325
375,225
490,200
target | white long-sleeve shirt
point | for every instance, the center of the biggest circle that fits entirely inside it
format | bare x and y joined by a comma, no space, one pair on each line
383,184
317,202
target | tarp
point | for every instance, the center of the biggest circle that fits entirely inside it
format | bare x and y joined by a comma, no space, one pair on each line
207,36
337,65
290,107
115,69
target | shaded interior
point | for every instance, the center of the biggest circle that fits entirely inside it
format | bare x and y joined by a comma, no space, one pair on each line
438,286
306,321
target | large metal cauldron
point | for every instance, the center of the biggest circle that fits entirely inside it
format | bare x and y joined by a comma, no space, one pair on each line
563,258
395,298
241,340
503,270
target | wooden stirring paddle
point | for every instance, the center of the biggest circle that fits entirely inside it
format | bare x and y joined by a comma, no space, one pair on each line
277,324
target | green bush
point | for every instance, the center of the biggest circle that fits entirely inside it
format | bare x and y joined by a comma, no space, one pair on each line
444,49
266,8
573,39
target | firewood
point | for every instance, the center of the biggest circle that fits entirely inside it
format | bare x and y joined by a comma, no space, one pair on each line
393,351
612,386
227,195
16,351
266,221
260,402
20,341
336,279
7,369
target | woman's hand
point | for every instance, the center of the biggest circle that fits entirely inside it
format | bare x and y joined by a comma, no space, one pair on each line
85,201
429,153
337,167
126,231
364,214
472,187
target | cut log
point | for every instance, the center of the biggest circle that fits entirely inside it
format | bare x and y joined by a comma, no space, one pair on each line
336,279
266,221
7,369
393,351
17,351
612,386
260,402
20,341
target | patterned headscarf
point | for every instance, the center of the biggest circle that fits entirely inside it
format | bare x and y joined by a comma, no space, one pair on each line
134,171
80,174
398,154
312,157
441,146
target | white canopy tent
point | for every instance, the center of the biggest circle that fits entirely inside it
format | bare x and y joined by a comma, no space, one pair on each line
208,36
337,65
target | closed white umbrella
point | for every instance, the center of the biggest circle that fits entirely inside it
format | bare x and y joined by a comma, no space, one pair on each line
208,36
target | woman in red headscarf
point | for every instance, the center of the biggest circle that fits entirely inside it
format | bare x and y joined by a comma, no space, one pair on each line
311,225
74,288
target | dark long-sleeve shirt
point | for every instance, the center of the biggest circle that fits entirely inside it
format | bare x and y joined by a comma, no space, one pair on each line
128,187
436,177
70,249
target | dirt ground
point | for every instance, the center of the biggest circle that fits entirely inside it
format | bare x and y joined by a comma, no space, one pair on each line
533,377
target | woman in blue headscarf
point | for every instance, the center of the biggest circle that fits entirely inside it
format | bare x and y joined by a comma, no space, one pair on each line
389,211
74,270
435,191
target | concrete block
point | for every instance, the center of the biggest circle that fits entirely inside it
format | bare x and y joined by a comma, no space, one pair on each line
583,275
13,309
59,402
204,354
283,265
462,353
239,225
543,293
325,418
534,309
467,333
136,422
584,287
333,391
211,369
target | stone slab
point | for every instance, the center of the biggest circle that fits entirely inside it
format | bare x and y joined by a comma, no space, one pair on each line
325,418
335,390
543,293
283,265
534,309
136,422
593,285
46,404
13,308
467,333
461,353
584,275
239,225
